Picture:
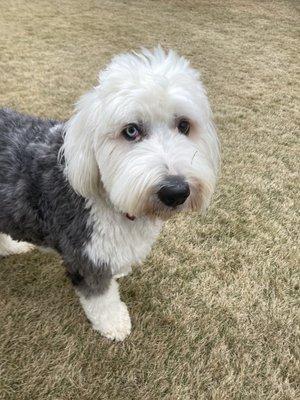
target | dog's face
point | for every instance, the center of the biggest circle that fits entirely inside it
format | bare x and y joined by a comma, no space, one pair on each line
145,137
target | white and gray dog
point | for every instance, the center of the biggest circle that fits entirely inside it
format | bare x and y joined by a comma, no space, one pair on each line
140,147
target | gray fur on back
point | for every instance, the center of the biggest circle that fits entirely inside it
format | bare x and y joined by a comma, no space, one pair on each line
37,204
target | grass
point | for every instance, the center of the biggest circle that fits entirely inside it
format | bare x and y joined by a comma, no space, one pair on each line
214,307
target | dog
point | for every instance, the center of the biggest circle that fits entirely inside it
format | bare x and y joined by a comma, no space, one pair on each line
140,147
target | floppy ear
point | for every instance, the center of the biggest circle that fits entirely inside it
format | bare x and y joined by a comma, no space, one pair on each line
81,167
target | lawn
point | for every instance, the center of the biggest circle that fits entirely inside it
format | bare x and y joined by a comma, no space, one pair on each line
214,307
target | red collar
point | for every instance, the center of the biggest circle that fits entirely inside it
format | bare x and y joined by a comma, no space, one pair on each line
131,217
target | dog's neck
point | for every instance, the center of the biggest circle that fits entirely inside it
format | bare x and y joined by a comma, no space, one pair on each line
112,229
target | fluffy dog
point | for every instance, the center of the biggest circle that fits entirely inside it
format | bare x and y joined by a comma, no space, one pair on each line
140,147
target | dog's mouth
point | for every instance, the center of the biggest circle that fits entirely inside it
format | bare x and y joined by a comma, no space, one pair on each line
154,208
163,214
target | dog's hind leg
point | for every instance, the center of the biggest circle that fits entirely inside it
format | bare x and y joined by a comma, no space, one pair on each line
8,246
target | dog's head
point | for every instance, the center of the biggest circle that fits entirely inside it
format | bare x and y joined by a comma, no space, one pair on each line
145,137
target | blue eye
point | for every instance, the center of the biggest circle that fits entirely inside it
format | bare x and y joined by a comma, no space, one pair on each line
184,126
131,132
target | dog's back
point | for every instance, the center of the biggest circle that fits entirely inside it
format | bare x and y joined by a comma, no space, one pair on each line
17,133
28,162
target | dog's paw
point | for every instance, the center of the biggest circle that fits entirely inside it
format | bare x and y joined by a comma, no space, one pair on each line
114,323
23,247
8,246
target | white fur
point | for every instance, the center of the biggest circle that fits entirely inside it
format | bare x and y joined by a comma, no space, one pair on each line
108,314
118,177
118,241
152,88
9,246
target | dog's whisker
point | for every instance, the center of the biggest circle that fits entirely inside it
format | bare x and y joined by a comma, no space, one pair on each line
196,151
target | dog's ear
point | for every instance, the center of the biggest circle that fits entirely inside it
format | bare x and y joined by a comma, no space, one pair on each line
81,167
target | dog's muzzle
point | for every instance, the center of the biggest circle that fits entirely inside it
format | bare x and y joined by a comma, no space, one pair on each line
174,191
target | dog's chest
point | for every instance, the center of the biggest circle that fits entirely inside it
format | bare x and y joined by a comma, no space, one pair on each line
118,241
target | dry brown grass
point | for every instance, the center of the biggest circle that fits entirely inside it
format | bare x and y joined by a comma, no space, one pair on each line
214,306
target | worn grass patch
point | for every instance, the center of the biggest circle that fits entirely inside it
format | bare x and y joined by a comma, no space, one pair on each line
214,306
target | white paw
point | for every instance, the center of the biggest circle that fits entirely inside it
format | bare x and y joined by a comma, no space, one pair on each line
22,247
114,322
9,246
107,313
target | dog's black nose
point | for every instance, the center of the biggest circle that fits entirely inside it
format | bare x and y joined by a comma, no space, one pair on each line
175,191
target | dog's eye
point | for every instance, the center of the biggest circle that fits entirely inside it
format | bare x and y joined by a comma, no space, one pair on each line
183,126
131,132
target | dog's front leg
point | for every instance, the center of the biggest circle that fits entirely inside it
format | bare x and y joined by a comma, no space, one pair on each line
107,313
99,295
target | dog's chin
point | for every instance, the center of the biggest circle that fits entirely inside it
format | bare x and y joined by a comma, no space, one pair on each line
154,210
